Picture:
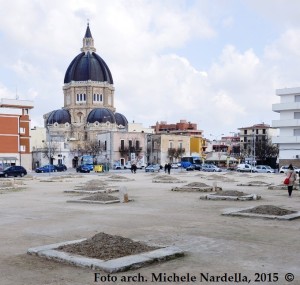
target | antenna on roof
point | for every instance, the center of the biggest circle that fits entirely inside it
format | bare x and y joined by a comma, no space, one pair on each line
17,96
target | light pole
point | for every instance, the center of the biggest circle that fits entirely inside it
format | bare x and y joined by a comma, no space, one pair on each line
49,147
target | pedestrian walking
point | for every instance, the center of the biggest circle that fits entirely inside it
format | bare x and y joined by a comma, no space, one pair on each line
169,167
291,175
166,167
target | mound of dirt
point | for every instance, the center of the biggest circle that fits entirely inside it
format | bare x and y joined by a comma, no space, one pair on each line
101,197
258,182
269,210
197,184
104,246
165,177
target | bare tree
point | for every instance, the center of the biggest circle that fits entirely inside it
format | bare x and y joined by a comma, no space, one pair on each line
93,148
49,150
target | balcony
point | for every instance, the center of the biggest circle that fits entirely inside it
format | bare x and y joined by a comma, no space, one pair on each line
278,107
286,139
286,123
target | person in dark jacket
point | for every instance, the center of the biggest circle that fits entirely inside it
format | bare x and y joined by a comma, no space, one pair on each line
169,167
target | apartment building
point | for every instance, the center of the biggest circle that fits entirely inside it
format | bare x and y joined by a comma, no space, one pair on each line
288,139
252,134
15,132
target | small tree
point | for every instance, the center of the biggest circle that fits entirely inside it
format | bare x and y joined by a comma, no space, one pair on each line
179,152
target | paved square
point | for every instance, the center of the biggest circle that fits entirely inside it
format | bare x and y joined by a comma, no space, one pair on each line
214,244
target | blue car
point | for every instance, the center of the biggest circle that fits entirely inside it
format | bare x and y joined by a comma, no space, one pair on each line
84,168
46,168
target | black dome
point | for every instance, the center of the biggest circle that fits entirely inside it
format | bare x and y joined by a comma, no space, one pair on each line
121,120
88,66
101,115
59,116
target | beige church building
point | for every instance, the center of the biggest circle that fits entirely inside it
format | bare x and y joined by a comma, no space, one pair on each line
88,106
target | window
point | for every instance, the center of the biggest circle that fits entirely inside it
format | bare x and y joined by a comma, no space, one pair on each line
122,144
105,145
245,132
296,132
137,144
97,97
296,115
22,148
130,144
22,130
171,144
80,98
297,98
180,145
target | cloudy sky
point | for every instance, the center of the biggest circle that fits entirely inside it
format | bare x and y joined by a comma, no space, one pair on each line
214,63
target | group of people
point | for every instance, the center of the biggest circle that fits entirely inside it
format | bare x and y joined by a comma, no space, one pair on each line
168,168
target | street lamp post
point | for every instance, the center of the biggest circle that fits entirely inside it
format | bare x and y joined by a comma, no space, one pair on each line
49,147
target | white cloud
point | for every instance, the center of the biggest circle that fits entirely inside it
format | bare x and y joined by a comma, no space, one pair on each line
151,48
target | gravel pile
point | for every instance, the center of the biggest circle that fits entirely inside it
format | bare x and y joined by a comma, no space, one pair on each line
105,247
101,197
268,210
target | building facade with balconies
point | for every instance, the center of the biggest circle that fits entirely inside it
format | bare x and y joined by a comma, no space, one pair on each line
15,132
288,139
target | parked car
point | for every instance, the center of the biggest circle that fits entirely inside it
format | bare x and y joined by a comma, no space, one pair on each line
174,165
118,166
263,169
197,166
60,167
215,168
210,168
127,165
190,167
284,169
244,167
13,171
152,168
46,168
83,168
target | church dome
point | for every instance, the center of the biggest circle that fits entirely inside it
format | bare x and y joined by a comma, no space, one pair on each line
101,115
60,116
88,65
121,120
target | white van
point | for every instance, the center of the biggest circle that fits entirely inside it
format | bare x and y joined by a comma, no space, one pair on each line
244,167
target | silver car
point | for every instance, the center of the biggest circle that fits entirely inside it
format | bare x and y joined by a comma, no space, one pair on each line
152,168
263,169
